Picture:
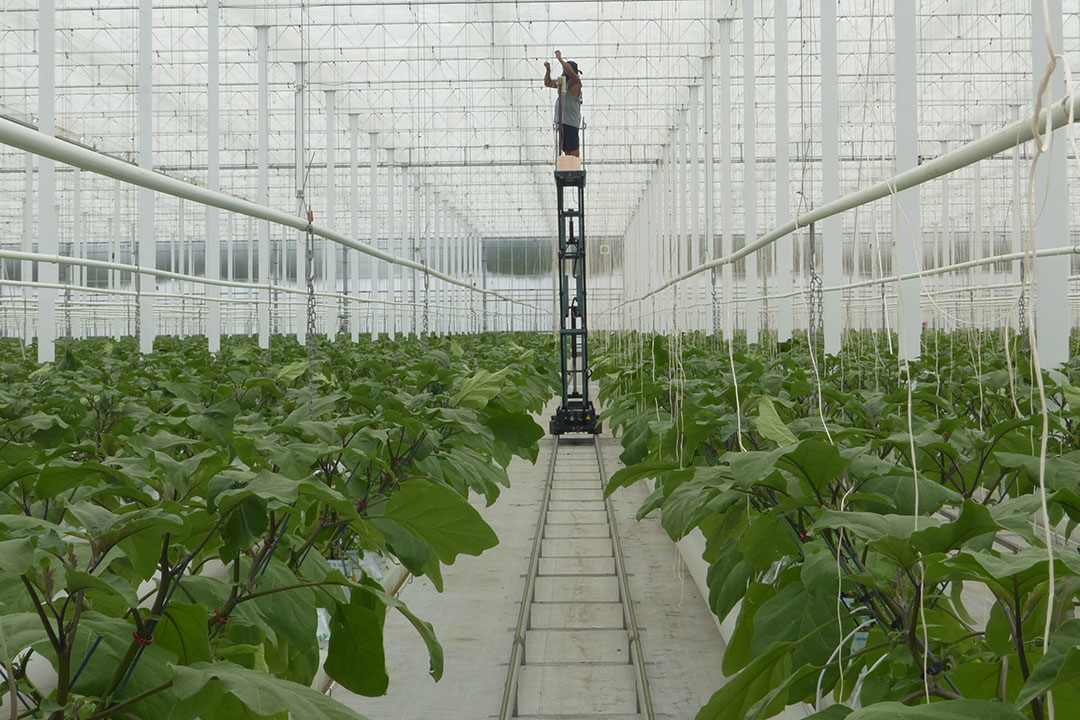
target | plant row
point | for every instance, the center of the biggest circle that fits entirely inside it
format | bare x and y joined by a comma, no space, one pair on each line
169,524
868,524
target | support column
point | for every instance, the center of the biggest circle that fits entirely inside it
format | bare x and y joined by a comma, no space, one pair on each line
978,246
26,267
147,244
832,241
390,312
785,276
750,170
415,256
212,260
300,166
684,296
331,250
712,323
354,216
48,242
373,275
76,273
907,214
182,246
697,287
725,175
262,41
1053,320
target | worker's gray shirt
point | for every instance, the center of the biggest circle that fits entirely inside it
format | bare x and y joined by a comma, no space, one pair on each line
572,113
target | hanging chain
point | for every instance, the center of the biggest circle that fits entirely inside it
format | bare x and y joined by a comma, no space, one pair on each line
427,300
67,309
1022,304
309,269
817,323
138,298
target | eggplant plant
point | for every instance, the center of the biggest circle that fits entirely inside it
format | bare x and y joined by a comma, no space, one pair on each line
168,523
870,531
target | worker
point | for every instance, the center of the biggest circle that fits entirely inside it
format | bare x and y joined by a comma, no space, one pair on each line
569,116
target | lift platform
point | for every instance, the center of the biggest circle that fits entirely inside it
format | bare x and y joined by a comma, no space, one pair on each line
576,414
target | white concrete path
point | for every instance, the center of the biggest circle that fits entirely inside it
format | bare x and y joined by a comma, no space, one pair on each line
475,615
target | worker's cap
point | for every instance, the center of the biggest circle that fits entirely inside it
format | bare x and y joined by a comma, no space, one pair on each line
573,64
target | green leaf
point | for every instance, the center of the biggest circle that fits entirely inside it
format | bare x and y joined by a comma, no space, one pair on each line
427,632
739,694
1060,664
356,657
833,712
19,631
16,556
627,476
476,390
441,518
770,425
210,685
182,629
948,710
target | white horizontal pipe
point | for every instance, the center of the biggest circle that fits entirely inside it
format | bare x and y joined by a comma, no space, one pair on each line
1006,138
67,260
32,141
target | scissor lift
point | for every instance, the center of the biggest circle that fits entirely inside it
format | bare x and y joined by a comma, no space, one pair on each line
576,414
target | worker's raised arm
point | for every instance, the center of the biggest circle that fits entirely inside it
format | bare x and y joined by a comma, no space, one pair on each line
567,67
547,76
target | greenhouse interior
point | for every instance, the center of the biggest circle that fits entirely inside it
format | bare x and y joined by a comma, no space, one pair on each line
320,399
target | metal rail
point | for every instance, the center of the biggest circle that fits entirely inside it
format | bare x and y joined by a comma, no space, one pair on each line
510,689
508,708
637,655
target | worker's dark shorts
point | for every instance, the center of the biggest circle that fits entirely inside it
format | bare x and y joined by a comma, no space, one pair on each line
569,138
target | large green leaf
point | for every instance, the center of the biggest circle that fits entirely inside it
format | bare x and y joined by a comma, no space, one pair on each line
356,657
214,689
627,476
441,518
771,426
1061,664
947,710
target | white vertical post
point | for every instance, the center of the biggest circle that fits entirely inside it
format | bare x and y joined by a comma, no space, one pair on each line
26,268
48,242
785,277
750,169
117,227
979,250
262,41
832,239
1017,214
696,293
948,250
301,238
725,172
414,255
76,273
212,259
1051,220
683,254
373,275
907,217
710,189
354,215
147,244
390,312
331,249
182,245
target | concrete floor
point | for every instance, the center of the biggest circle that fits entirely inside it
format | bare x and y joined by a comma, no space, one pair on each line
475,616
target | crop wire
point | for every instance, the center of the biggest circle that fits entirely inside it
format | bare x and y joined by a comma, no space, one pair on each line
1042,146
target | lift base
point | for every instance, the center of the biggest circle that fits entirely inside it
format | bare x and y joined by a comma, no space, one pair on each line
575,417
